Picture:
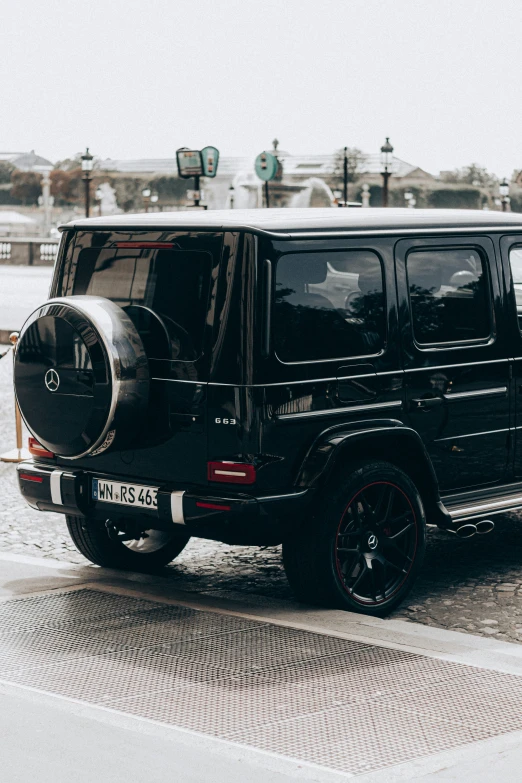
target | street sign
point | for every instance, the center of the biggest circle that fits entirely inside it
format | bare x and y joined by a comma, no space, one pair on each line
190,163
210,157
266,166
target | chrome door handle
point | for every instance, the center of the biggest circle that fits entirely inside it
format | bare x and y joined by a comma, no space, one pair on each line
426,403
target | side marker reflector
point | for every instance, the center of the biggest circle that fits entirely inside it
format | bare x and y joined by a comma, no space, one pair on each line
213,506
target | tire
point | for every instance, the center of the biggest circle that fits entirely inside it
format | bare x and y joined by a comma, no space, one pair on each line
145,553
364,546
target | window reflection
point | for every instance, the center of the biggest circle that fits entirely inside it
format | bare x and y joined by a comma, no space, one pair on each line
515,260
165,293
328,305
448,295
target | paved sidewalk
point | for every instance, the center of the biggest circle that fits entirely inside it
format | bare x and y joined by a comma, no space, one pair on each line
50,737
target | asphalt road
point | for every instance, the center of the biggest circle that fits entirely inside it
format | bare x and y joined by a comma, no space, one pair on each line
49,743
22,288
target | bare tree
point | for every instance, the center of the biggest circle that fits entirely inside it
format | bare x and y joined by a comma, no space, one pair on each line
354,159
471,175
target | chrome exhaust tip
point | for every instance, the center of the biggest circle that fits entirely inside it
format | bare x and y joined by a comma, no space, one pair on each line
484,526
466,531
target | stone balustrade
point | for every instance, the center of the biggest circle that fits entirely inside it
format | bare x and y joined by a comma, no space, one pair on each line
28,251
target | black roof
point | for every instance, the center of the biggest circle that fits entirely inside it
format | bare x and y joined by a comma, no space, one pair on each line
285,221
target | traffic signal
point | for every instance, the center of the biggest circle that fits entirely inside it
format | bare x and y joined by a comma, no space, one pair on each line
210,157
266,166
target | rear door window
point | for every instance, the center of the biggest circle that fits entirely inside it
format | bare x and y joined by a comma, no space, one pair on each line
312,322
449,296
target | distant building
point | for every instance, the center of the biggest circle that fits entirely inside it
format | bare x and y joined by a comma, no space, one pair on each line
10,156
16,223
238,172
295,166
25,161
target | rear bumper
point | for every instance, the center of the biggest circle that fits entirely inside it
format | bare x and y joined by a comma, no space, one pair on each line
206,512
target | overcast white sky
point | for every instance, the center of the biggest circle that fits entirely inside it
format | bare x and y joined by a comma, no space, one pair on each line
442,78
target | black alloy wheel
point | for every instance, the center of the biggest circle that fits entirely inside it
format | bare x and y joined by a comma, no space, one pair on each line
363,548
376,543
108,544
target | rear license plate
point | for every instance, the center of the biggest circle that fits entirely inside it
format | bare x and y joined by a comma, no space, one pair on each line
124,494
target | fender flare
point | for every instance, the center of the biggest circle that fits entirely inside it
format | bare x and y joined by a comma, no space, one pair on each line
390,440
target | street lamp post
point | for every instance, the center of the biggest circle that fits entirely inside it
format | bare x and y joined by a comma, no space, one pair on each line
503,189
231,194
345,177
87,168
386,161
146,193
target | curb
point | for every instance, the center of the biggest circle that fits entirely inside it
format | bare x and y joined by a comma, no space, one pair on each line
401,635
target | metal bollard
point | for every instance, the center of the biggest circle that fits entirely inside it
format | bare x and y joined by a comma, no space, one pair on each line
19,454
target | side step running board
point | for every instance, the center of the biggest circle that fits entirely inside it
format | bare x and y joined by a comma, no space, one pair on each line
470,519
486,508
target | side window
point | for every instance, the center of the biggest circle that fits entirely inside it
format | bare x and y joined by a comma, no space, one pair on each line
449,295
328,306
515,261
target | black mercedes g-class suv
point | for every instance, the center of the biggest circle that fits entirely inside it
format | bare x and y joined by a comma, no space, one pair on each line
191,376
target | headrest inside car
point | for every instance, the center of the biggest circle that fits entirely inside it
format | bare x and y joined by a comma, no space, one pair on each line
463,278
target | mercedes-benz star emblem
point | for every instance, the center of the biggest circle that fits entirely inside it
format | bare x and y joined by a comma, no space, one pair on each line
52,380
372,541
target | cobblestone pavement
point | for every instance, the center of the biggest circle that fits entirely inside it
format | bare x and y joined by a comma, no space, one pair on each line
473,585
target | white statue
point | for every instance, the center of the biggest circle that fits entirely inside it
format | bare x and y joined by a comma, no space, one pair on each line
107,200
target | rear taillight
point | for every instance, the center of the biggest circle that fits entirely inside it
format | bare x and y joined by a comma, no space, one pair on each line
37,450
231,472
31,477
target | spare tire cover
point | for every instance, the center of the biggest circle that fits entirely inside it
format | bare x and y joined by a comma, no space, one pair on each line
81,376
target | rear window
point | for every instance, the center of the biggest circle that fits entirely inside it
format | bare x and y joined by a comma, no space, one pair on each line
163,287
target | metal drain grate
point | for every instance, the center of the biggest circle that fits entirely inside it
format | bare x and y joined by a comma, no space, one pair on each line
341,704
